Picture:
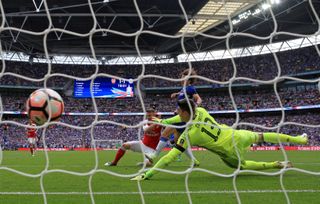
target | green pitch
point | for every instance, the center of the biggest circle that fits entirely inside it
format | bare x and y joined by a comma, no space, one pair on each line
163,188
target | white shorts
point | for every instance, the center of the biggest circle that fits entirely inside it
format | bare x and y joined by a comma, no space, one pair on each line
138,146
32,140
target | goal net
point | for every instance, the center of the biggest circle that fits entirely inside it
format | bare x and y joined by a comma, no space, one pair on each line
258,69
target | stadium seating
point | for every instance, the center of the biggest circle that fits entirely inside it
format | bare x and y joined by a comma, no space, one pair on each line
292,62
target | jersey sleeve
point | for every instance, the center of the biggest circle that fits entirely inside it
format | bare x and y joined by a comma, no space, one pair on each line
182,141
169,121
191,90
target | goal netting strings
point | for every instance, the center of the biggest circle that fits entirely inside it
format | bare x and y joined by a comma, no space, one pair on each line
232,78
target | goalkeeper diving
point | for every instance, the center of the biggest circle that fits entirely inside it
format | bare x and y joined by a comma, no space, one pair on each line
207,133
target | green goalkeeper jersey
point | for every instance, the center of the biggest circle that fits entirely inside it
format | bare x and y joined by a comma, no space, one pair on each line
206,132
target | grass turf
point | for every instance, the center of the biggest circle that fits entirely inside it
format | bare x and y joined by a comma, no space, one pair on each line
162,188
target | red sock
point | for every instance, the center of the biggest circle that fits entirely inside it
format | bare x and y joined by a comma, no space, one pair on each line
31,150
119,155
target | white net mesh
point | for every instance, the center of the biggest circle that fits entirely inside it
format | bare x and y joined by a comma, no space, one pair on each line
96,121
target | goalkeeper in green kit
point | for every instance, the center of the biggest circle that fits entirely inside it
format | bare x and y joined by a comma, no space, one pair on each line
207,133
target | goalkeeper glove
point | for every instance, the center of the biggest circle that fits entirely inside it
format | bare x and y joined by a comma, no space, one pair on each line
140,177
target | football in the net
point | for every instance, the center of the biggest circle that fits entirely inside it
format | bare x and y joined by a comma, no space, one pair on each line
44,105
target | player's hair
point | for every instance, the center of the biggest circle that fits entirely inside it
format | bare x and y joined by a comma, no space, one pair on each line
193,73
183,105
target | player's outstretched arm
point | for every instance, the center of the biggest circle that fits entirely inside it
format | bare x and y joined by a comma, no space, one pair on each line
174,95
197,99
148,129
164,161
168,121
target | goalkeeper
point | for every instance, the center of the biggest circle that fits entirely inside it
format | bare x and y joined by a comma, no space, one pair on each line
206,132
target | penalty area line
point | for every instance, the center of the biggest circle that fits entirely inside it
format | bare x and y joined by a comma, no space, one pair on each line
161,192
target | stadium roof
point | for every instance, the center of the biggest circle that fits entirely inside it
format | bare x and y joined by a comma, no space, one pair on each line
215,12
118,25
189,57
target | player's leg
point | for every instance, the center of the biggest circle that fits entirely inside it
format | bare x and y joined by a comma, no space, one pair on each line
248,138
35,145
233,162
31,145
189,154
274,137
147,162
121,151
147,151
177,132
244,139
31,149
163,140
254,165
188,151
138,146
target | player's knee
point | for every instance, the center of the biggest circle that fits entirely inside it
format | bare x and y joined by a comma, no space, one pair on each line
164,139
126,146
176,133
260,137
164,135
167,132
243,166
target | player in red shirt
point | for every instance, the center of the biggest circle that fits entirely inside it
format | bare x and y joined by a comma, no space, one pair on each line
32,137
147,145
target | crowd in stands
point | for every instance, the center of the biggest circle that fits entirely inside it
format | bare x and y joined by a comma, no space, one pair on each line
262,67
244,100
58,135
249,99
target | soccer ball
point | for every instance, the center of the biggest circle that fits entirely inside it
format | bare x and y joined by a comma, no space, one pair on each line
38,108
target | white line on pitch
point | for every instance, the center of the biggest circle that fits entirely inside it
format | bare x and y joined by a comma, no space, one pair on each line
161,192
53,166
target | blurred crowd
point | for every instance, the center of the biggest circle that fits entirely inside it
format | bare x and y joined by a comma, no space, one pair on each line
246,99
85,128
262,67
